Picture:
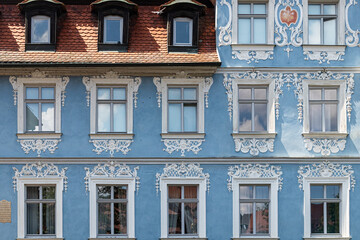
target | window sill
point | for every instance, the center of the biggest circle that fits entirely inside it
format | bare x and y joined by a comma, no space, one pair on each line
327,238
39,135
254,135
183,238
112,238
101,136
40,238
112,47
183,135
49,47
317,48
253,47
255,238
334,135
182,49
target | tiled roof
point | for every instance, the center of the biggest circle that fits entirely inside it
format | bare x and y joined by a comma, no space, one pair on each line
77,40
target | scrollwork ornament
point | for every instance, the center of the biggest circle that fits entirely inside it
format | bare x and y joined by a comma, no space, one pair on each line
182,145
252,55
39,145
352,36
229,92
16,85
111,146
225,31
254,146
324,56
325,146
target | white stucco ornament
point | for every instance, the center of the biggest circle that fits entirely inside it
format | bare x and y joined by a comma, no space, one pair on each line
39,145
182,145
225,33
325,146
252,55
111,146
323,56
254,146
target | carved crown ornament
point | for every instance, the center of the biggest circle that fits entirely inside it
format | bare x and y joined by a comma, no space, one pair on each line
39,145
326,170
111,170
182,171
39,170
255,171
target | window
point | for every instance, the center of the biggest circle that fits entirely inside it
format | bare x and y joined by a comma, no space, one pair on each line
111,109
183,31
40,210
182,103
113,29
40,106
322,24
40,29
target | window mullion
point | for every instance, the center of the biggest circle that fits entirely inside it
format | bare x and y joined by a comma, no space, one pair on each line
40,212
112,210
182,211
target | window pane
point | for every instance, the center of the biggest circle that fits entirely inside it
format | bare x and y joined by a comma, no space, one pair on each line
174,218
47,93
244,9
103,117
48,116
103,94
189,93
246,192
260,117
330,31
317,191
244,93
104,218
245,117
315,117
113,28
261,192
259,9
190,118
119,117
120,192
33,218
317,217
48,218
120,218
315,94
174,94
262,217
314,9
48,192
32,117
314,31
182,29
260,30
330,117
333,218
260,93
330,9
32,93
190,192
104,192
244,30
175,118
119,94
246,218
330,94
175,192
32,193
40,32
190,218
332,191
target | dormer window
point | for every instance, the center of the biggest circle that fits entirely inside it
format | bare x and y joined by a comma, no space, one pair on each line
183,31
113,29
40,29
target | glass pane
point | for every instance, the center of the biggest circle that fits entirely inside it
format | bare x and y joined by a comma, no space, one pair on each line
120,218
330,31
314,31
103,94
104,192
330,94
190,118
174,218
32,93
32,117
317,217
314,9
190,192
182,29
189,93
262,218
48,218
103,118
333,218
190,218
315,94
40,30
175,192
32,193
260,93
260,26
315,117
48,117
261,192
113,28
119,117
47,93
246,218
48,192
174,94
330,9
330,117
259,9
244,9
104,218
120,192
244,32
175,118
119,94
245,117
317,191
260,117
332,191
244,93
33,218
246,192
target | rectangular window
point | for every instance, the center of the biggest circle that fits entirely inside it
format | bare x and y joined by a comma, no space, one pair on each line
323,110
40,109
253,103
322,24
252,21
40,204
111,109
112,210
40,29
183,210
183,30
325,209
254,209
182,109
113,29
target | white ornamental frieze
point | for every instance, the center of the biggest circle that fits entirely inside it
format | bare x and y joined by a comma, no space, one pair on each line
254,146
111,146
182,145
39,145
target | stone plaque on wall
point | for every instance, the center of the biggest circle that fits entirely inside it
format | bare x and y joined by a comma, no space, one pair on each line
5,211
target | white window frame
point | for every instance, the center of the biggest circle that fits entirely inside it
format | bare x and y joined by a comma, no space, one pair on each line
130,183
21,186
191,23
40,17
113,17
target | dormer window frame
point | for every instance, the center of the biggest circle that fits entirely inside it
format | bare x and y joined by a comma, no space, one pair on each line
114,18
184,20
32,30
